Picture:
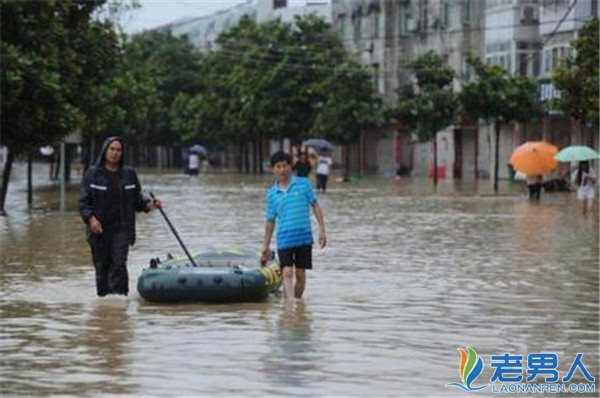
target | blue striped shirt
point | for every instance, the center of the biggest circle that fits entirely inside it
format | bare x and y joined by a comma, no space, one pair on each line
291,209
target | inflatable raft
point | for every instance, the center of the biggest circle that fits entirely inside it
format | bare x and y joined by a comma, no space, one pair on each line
224,276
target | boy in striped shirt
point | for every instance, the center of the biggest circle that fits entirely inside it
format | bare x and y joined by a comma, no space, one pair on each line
287,204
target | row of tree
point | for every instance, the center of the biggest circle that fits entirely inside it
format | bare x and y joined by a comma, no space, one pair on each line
65,69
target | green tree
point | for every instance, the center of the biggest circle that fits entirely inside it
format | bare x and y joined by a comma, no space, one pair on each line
50,51
168,66
276,81
429,105
498,98
578,77
350,107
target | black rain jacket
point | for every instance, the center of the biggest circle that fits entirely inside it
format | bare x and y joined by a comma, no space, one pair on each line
94,195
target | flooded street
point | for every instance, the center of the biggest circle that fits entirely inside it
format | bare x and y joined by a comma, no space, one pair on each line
408,277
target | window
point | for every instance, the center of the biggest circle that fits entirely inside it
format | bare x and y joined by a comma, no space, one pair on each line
376,24
358,28
594,6
467,70
446,14
536,64
568,52
523,63
342,25
528,16
405,24
376,77
497,3
554,58
467,12
547,61
279,4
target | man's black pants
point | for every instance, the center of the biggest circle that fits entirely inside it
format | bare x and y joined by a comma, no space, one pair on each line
109,253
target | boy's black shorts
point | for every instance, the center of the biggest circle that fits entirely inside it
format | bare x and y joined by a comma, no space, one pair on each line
300,256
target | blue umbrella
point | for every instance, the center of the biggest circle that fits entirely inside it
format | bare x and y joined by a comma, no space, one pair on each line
319,144
577,153
198,149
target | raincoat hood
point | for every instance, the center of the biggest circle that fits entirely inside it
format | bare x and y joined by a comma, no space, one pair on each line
102,158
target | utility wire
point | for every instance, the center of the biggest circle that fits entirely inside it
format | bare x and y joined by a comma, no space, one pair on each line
283,58
429,32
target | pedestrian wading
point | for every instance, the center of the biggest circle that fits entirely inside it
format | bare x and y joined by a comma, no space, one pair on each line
109,196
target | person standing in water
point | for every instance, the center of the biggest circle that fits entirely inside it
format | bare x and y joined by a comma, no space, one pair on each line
585,181
287,204
302,166
109,196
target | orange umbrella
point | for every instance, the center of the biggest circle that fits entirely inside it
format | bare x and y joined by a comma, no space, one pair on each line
534,158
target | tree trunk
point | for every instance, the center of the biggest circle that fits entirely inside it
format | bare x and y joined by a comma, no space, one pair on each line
254,157
261,155
240,157
68,155
29,178
246,158
435,166
476,162
496,155
362,154
347,164
5,179
92,156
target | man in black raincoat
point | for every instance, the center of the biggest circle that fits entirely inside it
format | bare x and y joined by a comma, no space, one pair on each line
109,196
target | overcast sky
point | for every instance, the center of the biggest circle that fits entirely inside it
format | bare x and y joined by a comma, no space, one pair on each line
155,13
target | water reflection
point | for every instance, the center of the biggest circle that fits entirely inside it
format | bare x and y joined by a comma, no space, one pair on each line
293,362
108,337
532,223
408,277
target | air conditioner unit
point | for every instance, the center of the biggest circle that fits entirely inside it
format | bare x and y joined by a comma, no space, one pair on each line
529,16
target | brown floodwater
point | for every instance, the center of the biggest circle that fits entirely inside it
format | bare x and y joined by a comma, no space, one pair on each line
408,277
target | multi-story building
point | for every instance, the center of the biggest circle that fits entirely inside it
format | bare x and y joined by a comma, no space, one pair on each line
526,37
560,21
287,10
384,35
512,38
512,41
203,31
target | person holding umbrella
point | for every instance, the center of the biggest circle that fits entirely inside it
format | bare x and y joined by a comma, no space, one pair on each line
534,184
585,181
534,159
584,176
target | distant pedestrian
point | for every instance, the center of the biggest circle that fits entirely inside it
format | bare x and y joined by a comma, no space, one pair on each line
193,164
287,206
302,166
585,181
323,170
109,196
534,184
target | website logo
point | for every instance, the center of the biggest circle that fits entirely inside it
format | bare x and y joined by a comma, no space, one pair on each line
471,366
534,373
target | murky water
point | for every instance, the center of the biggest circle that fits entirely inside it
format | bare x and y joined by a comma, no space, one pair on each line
408,278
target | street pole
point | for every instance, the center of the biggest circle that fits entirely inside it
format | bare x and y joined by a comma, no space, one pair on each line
62,176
